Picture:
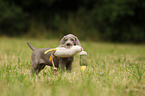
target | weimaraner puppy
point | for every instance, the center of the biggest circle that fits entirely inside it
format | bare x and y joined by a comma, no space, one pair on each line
40,60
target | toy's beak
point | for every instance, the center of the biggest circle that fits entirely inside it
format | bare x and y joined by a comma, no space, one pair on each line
83,68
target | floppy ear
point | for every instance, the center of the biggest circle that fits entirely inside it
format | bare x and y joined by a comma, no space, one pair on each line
62,41
77,42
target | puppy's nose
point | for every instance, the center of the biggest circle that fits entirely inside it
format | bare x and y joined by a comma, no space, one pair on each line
68,44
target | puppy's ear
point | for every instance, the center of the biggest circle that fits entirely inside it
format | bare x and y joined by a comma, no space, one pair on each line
77,42
62,41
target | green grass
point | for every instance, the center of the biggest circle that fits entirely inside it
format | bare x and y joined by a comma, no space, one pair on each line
113,70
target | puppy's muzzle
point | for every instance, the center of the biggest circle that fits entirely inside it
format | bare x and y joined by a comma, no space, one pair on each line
69,44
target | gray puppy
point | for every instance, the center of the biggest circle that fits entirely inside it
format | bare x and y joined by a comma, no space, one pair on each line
40,60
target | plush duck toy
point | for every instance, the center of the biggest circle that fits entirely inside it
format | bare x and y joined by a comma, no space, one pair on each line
67,52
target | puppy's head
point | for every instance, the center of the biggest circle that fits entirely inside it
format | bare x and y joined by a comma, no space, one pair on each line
69,40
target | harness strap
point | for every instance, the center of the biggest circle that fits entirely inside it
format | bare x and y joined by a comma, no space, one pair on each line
52,61
52,56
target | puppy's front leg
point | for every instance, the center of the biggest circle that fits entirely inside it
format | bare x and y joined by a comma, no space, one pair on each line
62,64
69,64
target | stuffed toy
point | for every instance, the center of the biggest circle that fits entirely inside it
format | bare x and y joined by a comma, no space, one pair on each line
68,52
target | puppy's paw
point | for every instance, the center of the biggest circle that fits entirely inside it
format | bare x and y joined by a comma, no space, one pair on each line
55,71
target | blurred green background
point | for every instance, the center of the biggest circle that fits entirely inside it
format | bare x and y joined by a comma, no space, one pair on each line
97,20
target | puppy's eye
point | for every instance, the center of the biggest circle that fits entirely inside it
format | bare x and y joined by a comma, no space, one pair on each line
72,39
65,39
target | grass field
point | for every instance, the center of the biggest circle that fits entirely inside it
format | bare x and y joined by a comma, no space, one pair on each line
113,70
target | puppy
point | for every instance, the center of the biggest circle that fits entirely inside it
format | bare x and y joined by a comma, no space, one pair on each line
40,60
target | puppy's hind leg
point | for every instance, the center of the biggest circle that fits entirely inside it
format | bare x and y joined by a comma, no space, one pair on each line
40,67
34,68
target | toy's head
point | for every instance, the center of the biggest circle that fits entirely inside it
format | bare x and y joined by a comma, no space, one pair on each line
83,60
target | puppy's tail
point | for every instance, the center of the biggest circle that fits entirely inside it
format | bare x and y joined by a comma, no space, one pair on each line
33,48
